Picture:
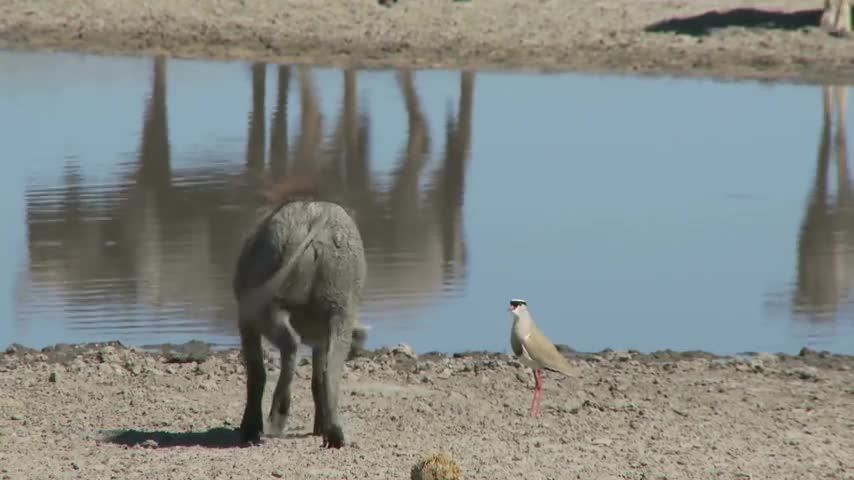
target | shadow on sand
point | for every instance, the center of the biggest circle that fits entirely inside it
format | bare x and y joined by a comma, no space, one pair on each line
219,437
703,24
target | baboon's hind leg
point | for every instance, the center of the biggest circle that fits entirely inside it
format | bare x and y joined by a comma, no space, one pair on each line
318,371
252,424
337,348
286,339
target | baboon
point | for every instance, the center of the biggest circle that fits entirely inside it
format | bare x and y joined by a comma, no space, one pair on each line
299,279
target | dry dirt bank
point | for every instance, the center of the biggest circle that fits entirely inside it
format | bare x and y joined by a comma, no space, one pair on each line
596,35
108,411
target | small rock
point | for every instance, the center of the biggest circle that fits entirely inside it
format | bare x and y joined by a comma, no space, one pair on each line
601,441
189,352
767,358
792,437
107,354
404,349
574,405
804,373
78,365
150,443
444,374
622,356
134,368
718,363
53,377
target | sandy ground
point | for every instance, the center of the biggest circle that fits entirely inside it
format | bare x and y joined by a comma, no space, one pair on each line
756,39
108,411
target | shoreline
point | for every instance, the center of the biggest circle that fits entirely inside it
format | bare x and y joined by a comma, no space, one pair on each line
199,351
556,37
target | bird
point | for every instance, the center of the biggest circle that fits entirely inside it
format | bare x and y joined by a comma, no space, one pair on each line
533,349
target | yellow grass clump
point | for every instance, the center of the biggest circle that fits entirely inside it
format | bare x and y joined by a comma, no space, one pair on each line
437,466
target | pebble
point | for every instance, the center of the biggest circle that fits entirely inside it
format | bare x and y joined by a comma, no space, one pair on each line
621,356
445,374
404,349
574,405
150,443
53,377
804,373
767,358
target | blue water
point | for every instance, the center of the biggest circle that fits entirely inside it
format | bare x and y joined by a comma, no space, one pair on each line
630,212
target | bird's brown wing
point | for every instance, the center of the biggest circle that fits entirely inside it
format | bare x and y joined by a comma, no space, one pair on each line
543,351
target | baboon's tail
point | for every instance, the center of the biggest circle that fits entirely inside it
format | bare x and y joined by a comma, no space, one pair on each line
251,300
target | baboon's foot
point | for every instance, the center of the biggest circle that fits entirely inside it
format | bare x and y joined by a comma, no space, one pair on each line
276,428
276,425
250,432
333,437
250,438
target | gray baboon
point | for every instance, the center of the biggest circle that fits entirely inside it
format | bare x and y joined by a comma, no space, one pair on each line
299,278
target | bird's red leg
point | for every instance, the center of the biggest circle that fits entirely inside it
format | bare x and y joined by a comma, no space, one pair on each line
536,392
